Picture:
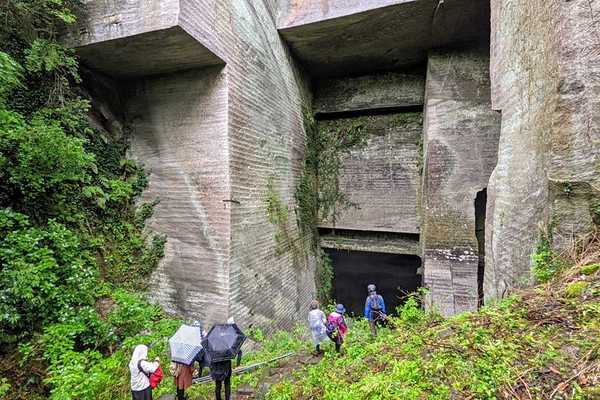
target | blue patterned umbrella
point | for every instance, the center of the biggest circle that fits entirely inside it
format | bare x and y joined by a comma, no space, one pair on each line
185,344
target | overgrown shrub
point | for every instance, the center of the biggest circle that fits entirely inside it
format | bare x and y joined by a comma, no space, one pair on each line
43,274
70,230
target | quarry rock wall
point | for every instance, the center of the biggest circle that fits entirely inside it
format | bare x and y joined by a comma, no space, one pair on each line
212,138
179,125
460,138
545,67
267,96
213,94
381,178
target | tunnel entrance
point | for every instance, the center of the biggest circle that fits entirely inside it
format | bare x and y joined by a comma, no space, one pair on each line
480,208
393,274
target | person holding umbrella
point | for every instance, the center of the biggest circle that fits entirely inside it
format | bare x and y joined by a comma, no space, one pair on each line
185,345
222,344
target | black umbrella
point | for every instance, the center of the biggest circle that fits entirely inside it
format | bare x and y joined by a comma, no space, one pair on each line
223,342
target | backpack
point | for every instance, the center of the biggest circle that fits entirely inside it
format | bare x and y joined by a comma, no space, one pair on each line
374,302
330,328
155,378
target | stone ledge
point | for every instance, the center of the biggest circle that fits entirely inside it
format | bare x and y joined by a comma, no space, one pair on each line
372,243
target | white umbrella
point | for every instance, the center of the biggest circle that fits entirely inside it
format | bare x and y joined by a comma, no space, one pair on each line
185,344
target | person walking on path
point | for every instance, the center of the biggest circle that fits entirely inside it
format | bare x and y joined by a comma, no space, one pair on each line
182,377
316,323
220,372
336,326
141,369
375,310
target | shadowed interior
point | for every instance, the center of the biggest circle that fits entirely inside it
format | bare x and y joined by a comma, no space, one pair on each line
393,274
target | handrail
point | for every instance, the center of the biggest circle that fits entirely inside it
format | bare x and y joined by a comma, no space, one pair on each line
240,370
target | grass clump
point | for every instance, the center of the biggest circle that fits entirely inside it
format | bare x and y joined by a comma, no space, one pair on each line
590,269
576,289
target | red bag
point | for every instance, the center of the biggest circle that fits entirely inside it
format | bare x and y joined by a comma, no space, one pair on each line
156,377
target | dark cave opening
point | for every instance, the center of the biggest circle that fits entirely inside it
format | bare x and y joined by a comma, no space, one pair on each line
395,275
480,209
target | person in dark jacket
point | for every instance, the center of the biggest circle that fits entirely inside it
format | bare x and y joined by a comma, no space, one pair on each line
220,372
375,310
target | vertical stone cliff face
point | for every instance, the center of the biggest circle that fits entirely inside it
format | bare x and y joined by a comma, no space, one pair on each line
545,71
179,133
214,99
267,142
460,143
212,138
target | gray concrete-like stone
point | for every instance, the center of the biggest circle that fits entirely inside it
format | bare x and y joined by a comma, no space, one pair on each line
340,37
135,38
378,39
301,12
212,139
382,178
179,125
545,69
390,90
458,22
214,98
460,144
158,52
372,243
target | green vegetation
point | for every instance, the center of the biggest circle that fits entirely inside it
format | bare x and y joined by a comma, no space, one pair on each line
71,237
318,195
278,214
540,343
590,269
546,263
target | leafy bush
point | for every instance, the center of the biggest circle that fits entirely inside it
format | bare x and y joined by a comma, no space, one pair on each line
43,273
132,314
70,232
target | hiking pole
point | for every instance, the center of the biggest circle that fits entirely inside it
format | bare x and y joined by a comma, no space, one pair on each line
240,370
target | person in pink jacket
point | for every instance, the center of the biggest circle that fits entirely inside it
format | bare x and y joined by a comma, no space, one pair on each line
336,326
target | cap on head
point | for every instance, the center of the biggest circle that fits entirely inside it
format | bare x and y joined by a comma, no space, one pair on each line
340,308
371,288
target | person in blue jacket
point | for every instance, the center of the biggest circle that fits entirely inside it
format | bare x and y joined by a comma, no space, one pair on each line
374,308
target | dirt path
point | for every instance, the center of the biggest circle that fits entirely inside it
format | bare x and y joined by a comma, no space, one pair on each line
273,375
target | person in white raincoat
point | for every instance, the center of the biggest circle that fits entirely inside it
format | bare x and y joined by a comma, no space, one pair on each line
140,368
316,322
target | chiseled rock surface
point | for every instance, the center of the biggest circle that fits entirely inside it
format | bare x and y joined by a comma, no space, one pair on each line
389,90
301,12
460,140
179,125
381,178
362,38
212,139
546,81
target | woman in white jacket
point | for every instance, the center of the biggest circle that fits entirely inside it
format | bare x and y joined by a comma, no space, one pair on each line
141,369
316,323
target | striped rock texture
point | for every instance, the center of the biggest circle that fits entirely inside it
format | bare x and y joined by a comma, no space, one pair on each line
545,69
212,93
460,138
211,138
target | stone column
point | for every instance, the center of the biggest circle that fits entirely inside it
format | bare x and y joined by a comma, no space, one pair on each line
460,149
